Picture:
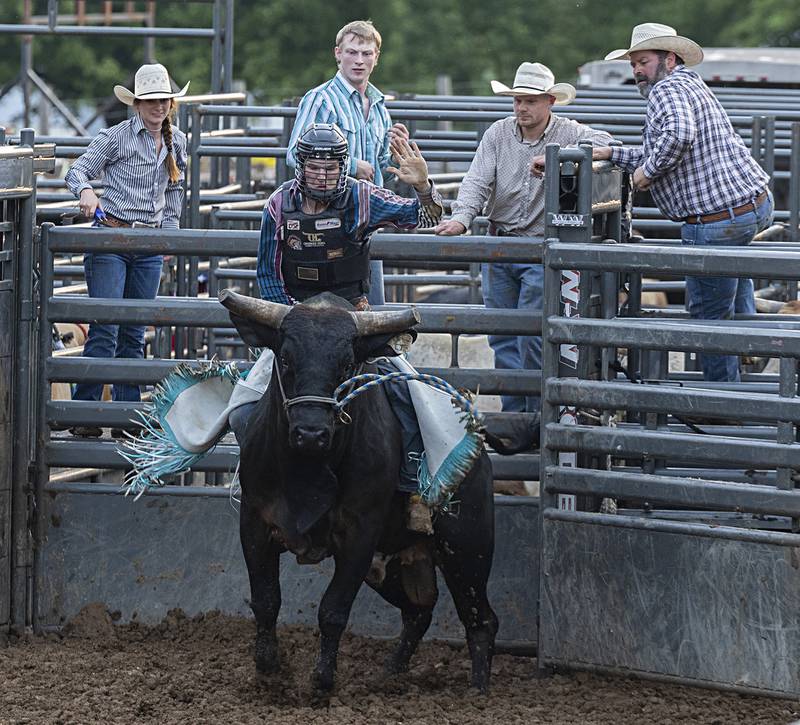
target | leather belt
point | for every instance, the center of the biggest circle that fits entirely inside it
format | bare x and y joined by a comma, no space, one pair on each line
112,221
497,232
719,216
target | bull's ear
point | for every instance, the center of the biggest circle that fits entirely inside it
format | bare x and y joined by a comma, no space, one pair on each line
385,344
254,333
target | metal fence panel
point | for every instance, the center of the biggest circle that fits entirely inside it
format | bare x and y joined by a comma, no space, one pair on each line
707,611
699,598
166,550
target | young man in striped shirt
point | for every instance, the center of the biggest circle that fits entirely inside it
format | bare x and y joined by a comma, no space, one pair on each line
698,170
357,107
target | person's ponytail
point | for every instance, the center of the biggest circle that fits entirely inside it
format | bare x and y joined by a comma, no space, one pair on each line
166,131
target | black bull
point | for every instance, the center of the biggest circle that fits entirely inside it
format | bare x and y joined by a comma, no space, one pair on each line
318,487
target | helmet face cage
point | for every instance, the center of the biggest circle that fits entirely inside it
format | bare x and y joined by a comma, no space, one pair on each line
326,142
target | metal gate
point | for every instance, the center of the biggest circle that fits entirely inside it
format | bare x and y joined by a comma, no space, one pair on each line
703,590
179,547
17,353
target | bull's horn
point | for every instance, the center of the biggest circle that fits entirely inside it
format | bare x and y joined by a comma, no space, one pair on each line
270,314
373,323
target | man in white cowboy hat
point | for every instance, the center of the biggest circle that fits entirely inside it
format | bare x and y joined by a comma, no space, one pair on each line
697,168
141,161
503,179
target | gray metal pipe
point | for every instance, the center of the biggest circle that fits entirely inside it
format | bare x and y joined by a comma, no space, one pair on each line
674,400
676,446
394,247
728,533
673,491
192,312
105,30
23,386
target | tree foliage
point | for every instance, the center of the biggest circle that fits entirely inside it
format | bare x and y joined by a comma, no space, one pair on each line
283,48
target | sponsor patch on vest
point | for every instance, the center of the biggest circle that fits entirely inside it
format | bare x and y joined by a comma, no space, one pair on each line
333,223
335,253
313,240
294,242
293,224
308,273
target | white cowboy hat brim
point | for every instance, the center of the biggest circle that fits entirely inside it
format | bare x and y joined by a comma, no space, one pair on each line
128,97
687,49
564,93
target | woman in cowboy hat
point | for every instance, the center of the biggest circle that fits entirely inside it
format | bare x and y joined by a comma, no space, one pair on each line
142,162
697,168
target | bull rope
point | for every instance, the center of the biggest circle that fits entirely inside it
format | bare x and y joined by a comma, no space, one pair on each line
436,488
372,380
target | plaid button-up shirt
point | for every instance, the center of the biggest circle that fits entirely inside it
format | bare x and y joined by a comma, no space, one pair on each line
698,163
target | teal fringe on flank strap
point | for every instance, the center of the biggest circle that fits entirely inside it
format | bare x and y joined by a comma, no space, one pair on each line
436,488
155,452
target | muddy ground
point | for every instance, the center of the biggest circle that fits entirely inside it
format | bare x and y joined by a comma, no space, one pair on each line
201,671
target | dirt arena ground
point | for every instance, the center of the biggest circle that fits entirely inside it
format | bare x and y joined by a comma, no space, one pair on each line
201,671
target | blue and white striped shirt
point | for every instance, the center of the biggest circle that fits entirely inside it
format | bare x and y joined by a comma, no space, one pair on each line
136,183
698,163
336,101
370,207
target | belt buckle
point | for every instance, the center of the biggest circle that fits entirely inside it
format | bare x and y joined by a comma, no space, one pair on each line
142,225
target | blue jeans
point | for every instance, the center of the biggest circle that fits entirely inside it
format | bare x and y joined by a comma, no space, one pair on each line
117,276
718,298
515,287
376,294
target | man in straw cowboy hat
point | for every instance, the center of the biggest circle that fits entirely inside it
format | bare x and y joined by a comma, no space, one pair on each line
697,168
503,179
142,163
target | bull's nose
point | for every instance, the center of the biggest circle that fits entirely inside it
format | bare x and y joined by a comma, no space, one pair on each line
310,439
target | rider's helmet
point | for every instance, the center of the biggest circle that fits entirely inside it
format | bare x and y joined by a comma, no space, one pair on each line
323,142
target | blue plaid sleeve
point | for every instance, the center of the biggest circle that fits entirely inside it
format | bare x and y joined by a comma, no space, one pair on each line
627,157
677,129
268,268
376,207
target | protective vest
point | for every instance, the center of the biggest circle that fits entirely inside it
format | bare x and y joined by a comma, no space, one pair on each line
318,255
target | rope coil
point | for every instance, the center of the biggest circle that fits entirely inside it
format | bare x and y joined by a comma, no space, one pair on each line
366,381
